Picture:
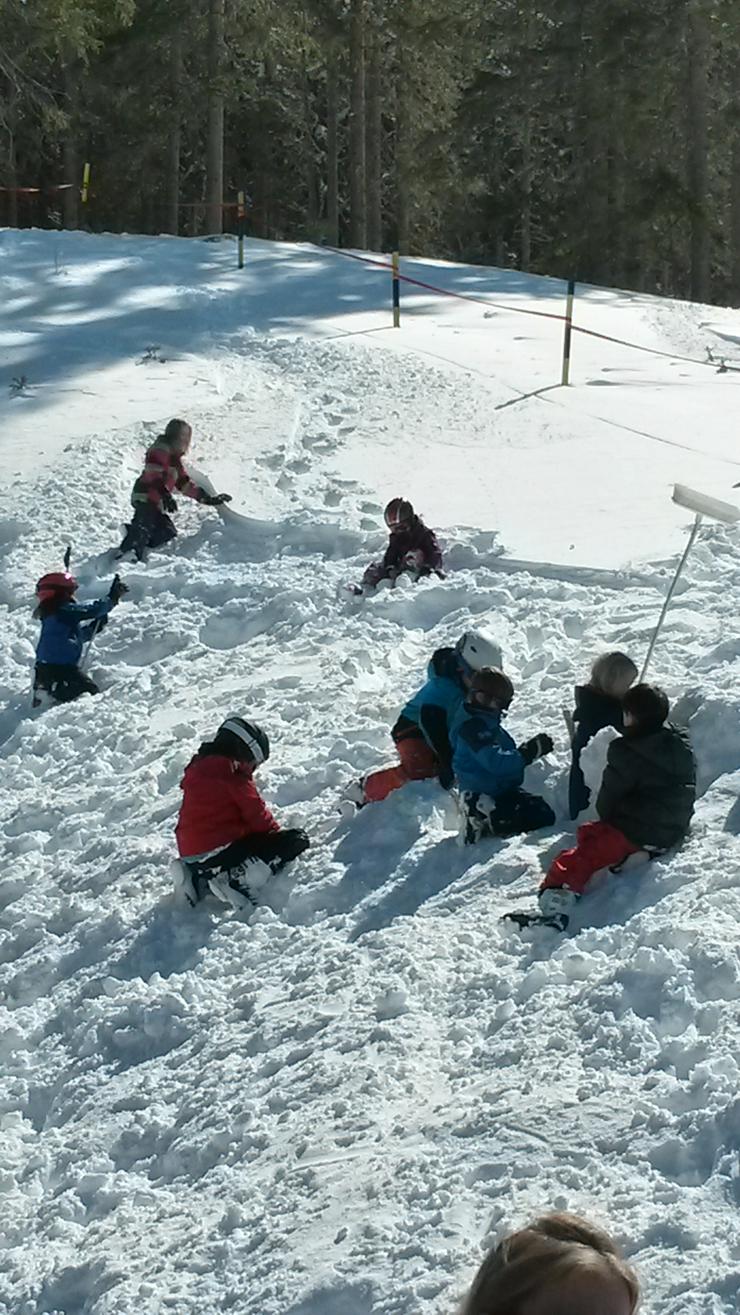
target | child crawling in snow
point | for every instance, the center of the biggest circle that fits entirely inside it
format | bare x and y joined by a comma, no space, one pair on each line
227,838
412,549
598,704
645,804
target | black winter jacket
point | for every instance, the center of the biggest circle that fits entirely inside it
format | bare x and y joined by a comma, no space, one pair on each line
594,710
415,537
649,787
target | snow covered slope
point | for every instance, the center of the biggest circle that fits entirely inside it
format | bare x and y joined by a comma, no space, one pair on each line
333,1108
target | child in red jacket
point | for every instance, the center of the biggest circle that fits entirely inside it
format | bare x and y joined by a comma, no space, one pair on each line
228,840
163,474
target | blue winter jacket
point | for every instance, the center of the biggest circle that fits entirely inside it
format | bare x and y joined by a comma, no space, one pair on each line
63,634
432,708
484,756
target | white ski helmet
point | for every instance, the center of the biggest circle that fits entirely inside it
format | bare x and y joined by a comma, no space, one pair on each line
476,650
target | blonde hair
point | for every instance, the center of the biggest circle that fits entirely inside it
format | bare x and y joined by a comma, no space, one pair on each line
528,1263
608,668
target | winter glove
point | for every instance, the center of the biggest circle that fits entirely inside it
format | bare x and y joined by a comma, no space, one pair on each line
537,747
168,502
216,499
117,590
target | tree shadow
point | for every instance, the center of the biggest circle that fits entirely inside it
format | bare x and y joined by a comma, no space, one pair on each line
126,293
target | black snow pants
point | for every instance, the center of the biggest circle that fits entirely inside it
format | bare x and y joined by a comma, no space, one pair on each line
63,683
149,528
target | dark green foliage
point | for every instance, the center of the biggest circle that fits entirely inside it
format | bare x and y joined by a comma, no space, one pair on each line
598,139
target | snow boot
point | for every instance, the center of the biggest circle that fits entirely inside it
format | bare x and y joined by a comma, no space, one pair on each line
190,880
556,906
474,820
239,885
353,797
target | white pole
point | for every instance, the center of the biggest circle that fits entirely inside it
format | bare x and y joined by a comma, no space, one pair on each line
669,595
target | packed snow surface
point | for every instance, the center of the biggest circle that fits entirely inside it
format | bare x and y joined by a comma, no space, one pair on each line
332,1108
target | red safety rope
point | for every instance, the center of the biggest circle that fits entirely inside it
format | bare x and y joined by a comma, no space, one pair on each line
522,310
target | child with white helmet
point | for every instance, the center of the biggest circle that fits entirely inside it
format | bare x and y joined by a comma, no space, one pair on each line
421,733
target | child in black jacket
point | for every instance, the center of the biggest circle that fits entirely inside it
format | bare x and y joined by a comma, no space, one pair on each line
412,548
598,704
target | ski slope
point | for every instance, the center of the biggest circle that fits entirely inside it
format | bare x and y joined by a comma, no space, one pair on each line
333,1109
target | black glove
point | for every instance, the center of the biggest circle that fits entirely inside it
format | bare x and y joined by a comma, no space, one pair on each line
446,776
117,590
216,499
537,747
168,502
101,623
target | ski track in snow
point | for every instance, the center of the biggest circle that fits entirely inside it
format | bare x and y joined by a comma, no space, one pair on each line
336,1106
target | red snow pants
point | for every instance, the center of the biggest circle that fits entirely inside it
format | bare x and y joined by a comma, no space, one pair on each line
418,762
599,846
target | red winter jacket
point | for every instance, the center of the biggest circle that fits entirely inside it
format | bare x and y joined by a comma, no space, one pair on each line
163,473
220,804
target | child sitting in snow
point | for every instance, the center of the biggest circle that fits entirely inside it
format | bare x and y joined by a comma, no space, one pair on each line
412,549
152,499
227,838
66,626
645,803
489,767
598,704
421,734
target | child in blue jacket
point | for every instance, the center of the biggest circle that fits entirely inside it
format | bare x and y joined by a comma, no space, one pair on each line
66,627
421,733
489,767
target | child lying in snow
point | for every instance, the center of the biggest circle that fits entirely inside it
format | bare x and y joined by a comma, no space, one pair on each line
412,547
645,803
421,734
151,526
598,704
227,838
489,767
66,626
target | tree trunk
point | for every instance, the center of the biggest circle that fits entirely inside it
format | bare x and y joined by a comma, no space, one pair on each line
332,154
174,134
403,157
525,257
735,189
496,235
215,142
313,199
12,174
70,195
357,123
373,148
70,158
698,148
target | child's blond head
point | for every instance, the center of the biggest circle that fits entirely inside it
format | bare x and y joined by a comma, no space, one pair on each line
613,673
559,1265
